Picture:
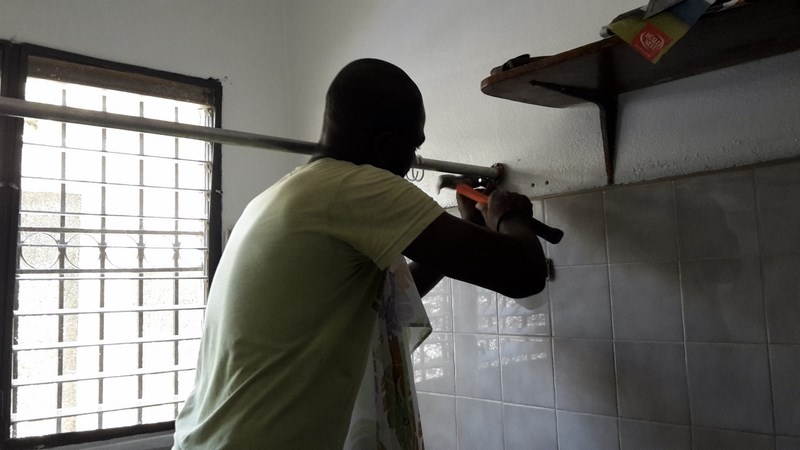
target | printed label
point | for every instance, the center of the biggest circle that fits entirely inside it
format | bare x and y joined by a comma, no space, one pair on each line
650,41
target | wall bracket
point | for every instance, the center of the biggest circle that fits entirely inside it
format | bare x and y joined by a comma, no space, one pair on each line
607,105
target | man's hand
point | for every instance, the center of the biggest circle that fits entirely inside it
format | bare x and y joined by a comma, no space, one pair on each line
469,209
503,204
455,248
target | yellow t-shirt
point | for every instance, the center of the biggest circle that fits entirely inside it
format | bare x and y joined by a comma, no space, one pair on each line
290,309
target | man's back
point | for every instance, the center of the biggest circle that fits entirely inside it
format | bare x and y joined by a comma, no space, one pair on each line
290,309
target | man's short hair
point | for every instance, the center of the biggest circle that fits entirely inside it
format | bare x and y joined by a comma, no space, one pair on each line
369,96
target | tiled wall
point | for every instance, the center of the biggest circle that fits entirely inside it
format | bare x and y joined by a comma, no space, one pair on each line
673,322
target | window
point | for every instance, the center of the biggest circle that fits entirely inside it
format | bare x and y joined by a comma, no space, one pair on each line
115,241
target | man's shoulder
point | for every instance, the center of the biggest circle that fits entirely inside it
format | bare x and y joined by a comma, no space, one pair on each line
341,174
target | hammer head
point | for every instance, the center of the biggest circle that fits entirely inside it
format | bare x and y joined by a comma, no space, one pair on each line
451,181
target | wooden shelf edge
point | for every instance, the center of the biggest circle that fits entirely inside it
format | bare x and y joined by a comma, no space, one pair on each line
611,67
602,70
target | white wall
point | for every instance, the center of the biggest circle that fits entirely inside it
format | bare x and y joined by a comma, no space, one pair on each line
239,42
733,117
275,59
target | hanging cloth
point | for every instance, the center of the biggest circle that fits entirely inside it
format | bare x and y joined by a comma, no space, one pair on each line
386,414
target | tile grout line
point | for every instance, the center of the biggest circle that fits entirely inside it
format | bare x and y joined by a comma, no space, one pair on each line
611,317
552,340
500,369
661,261
762,272
683,312
455,364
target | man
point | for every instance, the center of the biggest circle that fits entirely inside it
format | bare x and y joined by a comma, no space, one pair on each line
290,312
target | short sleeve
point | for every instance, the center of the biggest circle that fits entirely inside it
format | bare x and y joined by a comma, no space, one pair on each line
379,214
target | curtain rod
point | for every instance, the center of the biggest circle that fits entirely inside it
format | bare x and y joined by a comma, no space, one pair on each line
21,108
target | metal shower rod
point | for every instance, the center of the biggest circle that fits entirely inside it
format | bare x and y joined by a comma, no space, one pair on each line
21,108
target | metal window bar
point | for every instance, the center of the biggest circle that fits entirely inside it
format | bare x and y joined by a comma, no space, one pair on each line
105,246
93,271
104,215
62,273
107,310
15,69
73,148
61,263
99,409
110,231
68,181
21,108
89,376
87,276
76,344
102,282
140,258
176,262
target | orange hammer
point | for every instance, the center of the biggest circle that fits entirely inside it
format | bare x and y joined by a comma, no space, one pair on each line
548,233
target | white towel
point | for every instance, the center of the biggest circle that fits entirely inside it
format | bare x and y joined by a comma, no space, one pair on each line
386,415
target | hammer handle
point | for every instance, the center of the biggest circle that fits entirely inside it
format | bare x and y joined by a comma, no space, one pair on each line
472,194
546,232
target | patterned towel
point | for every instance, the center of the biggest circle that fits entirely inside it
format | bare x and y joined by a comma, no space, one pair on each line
386,415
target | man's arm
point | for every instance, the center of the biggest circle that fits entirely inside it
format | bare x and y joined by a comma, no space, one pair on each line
425,278
509,261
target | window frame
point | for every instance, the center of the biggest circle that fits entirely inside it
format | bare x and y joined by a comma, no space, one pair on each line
14,58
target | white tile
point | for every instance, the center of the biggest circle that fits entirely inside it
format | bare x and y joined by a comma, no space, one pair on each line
474,309
584,431
438,416
716,216
782,297
729,387
480,424
527,371
777,194
640,223
538,213
478,366
579,300
439,306
646,301
651,381
638,435
538,209
785,360
723,300
581,218
434,366
526,316
787,443
584,376
711,439
527,428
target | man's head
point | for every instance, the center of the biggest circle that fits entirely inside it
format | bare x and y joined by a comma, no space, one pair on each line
373,115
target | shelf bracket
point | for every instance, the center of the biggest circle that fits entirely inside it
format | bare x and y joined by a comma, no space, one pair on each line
608,111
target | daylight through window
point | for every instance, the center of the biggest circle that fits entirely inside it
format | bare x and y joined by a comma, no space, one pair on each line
112,264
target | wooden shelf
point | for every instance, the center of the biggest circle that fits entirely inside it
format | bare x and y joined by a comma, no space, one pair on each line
600,71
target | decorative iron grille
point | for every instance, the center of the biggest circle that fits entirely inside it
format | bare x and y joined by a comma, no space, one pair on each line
112,264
